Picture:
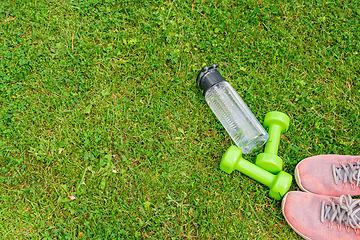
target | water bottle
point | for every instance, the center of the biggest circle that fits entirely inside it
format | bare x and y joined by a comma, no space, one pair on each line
241,124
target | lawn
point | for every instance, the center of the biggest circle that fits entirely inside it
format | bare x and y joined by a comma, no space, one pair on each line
105,135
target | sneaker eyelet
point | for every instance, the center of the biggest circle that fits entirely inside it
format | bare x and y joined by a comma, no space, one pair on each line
339,227
330,225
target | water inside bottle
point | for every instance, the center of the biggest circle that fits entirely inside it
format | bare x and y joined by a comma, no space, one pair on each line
236,117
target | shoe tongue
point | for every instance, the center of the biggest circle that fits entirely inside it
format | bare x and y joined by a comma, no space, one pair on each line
345,218
348,174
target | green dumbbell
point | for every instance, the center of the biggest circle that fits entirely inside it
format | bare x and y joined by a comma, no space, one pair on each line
277,123
279,184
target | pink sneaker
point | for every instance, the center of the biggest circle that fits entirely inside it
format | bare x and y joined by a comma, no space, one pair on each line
331,175
319,217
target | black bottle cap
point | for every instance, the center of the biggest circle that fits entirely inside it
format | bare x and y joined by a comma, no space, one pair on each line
208,77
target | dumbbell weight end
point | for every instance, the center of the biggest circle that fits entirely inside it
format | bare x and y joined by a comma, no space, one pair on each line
279,184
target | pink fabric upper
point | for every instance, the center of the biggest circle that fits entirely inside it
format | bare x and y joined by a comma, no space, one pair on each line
302,211
315,175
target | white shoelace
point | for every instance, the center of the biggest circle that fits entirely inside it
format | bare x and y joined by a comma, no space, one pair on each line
343,210
349,173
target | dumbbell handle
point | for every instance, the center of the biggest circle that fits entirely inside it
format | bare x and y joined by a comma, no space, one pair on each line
279,184
273,142
255,172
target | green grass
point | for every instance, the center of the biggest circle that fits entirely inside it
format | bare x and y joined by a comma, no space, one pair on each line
98,101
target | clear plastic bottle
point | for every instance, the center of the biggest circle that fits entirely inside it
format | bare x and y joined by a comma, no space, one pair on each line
231,110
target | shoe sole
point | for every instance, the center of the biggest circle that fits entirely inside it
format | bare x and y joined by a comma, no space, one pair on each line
297,178
282,208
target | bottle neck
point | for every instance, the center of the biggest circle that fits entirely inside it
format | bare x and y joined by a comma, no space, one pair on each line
209,79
